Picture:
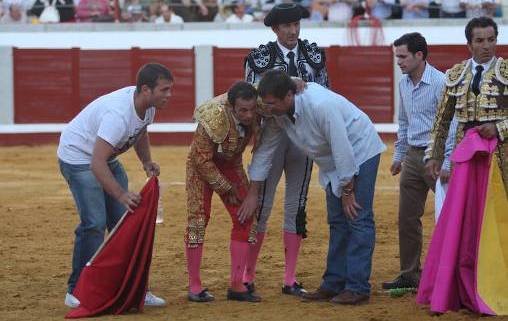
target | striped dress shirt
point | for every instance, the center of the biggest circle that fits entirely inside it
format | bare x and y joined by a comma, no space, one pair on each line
417,110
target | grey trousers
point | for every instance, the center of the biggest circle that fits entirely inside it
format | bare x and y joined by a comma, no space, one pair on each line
297,169
414,187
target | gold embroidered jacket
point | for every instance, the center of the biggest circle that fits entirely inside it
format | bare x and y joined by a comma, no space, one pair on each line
490,105
217,139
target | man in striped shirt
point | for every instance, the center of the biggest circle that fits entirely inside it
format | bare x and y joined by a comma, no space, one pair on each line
420,91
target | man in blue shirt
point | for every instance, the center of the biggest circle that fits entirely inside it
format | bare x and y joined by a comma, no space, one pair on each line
343,142
420,91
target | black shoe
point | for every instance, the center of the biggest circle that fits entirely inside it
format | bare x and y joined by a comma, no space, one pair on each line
296,289
243,296
251,288
203,296
400,282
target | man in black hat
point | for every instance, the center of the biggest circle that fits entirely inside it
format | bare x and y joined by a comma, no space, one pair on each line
305,60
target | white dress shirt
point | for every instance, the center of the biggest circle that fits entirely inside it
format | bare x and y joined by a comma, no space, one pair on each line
329,129
285,52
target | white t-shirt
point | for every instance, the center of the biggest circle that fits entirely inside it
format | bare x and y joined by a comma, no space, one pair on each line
174,19
235,19
111,117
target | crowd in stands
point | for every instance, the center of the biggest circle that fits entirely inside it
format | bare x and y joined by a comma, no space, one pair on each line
233,11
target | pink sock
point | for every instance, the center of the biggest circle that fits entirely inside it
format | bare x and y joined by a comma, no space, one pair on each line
239,251
193,266
291,249
252,257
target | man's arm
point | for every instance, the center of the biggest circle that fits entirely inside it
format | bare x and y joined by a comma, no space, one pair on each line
502,129
102,152
436,149
142,148
450,144
201,153
401,142
260,166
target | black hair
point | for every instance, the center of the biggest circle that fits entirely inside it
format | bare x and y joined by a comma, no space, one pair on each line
480,22
276,83
150,73
414,41
241,89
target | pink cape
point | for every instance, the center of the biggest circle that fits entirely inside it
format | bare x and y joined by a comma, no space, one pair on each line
449,278
117,279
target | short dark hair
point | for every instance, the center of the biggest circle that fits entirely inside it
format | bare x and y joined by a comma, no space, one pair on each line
480,22
150,73
276,83
243,90
414,41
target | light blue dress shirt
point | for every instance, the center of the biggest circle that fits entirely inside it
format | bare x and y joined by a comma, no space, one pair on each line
329,129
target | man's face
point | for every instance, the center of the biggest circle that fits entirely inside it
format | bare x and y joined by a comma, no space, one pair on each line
483,44
245,110
407,61
287,33
277,106
159,96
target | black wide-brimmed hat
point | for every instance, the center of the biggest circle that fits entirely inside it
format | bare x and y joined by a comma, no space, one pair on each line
285,13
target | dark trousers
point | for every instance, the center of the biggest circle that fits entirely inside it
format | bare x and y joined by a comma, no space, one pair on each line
414,187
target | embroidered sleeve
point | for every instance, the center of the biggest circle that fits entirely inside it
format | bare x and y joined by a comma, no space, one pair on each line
439,134
502,129
202,150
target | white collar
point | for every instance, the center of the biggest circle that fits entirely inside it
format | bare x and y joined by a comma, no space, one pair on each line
485,66
285,50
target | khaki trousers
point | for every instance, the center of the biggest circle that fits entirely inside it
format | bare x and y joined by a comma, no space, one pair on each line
414,187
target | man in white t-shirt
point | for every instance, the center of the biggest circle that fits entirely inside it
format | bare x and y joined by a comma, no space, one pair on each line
239,15
87,152
168,16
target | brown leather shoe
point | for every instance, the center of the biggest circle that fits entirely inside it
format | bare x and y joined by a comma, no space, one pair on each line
350,297
318,295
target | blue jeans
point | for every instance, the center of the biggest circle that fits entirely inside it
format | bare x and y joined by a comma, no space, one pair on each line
351,244
97,211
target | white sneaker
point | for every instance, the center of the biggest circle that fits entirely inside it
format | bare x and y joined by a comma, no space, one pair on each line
153,301
71,301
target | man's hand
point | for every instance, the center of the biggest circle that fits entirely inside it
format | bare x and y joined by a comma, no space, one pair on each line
130,200
232,197
151,168
300,84
487,130
349,206
395,168
249,205
433,168
444,176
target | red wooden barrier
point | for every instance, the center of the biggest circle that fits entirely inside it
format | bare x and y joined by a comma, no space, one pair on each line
52,86
364,75
228,67
45,84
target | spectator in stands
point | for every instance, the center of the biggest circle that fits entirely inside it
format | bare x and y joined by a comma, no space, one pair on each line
154,10
168,16
195,10
319,10
341,11
15,12
135,12
415,9
206,10
94,11
453,9
381,9
66,9
478,8
239,15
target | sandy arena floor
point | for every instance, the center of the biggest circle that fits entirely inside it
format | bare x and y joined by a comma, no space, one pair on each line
37,221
